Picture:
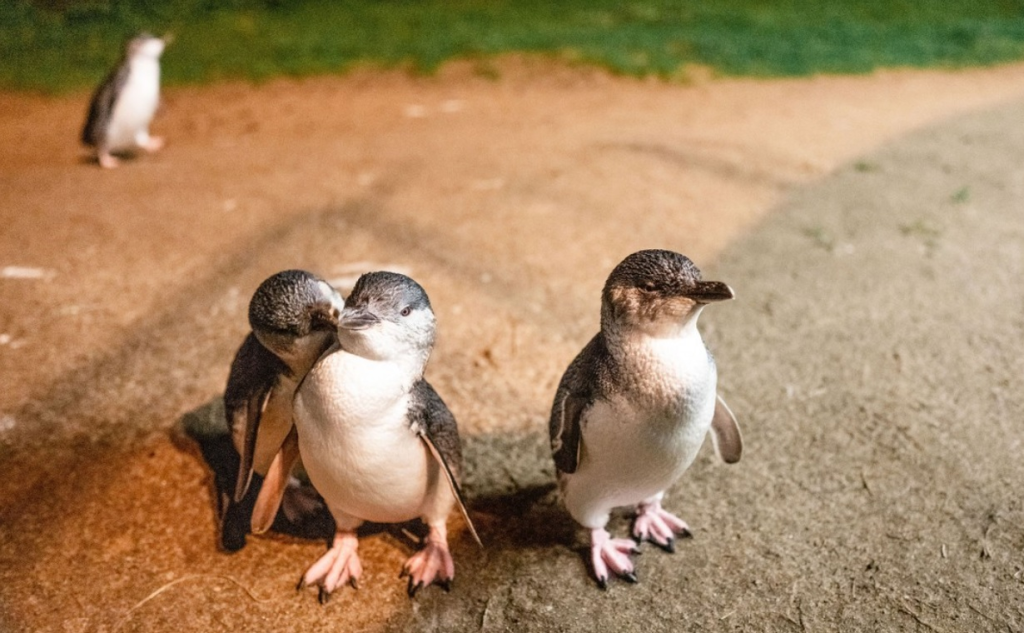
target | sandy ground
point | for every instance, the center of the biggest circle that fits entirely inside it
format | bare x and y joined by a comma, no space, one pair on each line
871,227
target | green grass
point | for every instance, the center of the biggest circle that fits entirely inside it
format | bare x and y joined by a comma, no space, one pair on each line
70,47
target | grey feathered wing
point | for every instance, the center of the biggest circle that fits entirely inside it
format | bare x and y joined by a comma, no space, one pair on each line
274,484
574,396
253,381
436,426
725,433
101,108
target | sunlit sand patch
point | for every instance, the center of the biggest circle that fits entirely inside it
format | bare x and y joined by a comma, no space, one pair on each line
26,272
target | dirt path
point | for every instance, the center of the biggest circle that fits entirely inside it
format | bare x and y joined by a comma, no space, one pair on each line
509,200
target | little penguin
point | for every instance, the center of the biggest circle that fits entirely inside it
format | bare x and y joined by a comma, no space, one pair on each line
124,103
633,408
294,318
376,440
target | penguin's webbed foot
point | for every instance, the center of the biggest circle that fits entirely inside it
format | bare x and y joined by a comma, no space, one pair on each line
609,554
153,144
654,524
338,566
432,564
107,160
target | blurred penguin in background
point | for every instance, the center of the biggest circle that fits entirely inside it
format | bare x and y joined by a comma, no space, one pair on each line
124,104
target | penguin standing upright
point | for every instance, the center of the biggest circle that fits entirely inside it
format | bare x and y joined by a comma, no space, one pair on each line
634,407
124,104
294,318
375,438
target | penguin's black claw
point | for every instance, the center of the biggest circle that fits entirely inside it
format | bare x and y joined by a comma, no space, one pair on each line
630,577
602,583
414,587
445,584
668,546
299,586
323,596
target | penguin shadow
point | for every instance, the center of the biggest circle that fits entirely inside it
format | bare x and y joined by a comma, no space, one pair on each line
505,514
514,500
509,484
302,515
513,503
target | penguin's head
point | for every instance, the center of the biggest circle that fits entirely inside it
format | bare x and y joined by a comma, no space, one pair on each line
147,45
659,291
388,317
293,312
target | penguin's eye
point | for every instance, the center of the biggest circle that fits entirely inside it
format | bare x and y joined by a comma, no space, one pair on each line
406,311
650,286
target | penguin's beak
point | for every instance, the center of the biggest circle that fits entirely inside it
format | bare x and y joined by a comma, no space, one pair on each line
710,292
357,318
329,311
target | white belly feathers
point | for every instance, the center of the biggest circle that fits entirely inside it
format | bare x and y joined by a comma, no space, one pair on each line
135,106
636,444
351,417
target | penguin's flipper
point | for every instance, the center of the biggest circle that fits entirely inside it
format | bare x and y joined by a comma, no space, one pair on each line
566,432
431,419
575,395
725,433
254,409
274,484
456,490
101,107
254,373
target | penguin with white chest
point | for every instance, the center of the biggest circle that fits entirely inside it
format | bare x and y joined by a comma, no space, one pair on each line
635,405
376,440
294,318
123,105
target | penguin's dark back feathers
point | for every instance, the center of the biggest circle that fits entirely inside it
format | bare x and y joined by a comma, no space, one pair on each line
101,108
255,368
589,374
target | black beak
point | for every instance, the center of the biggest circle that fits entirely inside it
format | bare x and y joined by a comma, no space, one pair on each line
357,318
327,311
710,292
328,316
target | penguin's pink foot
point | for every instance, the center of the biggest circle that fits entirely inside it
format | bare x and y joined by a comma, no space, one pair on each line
153,144
431,564
107,160
338,566
609,554
656,525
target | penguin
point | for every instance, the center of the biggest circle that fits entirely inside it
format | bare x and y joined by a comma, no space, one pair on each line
123,105
634,406
294,318
376,439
